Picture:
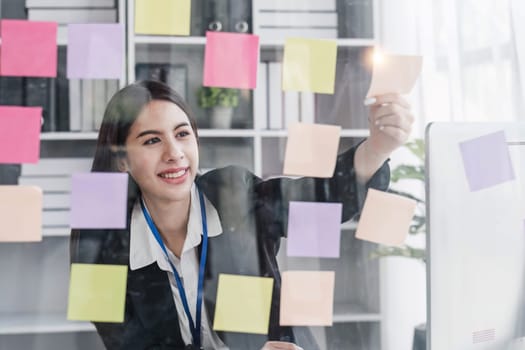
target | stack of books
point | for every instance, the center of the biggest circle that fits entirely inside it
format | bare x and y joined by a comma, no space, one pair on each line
279,19
53,176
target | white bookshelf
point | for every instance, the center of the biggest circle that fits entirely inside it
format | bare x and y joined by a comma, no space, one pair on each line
264,43
30,323
354,313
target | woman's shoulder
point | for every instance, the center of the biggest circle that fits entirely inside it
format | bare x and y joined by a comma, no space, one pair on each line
230,176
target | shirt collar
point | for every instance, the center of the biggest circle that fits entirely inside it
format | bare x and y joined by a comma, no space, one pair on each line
145,250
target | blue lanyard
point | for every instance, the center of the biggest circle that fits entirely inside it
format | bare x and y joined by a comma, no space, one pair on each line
194,327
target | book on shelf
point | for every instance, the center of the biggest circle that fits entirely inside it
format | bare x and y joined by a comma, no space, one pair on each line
291,108
72,15
88,102
279,19
275,96
39,92
62,92
75,105
355,18
11,89
9,174
99,102
260,94
69,3
307,107
175,75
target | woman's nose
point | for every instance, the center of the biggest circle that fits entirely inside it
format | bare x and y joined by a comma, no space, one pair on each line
173,152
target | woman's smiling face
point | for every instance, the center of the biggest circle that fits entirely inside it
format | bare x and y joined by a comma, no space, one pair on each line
162,153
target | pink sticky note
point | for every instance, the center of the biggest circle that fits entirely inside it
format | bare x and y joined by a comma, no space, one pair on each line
29,48
20,134
307,298
385,218
311,150
230,60
20,214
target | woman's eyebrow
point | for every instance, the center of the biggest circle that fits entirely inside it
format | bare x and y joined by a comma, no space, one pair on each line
156,132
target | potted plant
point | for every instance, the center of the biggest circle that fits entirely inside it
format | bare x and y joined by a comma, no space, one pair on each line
220,102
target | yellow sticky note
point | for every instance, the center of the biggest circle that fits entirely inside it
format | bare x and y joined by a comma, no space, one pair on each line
311,150
394,74
385,218
162,17
20,214
307,298
243,304
309,65
97,292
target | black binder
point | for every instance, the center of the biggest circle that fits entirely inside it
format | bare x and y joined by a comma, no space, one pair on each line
227,16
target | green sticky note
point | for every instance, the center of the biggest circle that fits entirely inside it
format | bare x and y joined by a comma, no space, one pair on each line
97,292
309,65
243,304
162,17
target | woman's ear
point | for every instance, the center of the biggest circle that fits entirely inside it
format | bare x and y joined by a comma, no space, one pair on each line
122,165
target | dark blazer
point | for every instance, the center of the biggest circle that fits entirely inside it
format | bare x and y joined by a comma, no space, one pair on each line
253,215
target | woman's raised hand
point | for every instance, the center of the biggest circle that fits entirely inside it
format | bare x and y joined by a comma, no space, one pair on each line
390,124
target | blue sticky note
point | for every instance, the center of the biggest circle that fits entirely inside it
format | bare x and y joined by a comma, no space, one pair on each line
99,200
486,160
314,229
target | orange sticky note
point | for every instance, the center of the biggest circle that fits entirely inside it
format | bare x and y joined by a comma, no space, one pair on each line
307,298
20,134
394,74
230,60
385,218
243,304
309,65
29,49
311,150
20,214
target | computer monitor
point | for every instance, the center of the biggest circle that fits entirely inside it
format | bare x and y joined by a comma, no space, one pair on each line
476,244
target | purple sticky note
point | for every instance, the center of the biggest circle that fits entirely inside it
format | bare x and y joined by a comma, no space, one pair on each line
29,49
487,161
95,51
98,200
20,134
314,229
230,60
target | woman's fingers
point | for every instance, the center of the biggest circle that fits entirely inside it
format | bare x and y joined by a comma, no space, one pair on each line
387,99
394,120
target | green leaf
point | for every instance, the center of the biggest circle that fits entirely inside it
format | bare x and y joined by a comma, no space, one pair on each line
405,171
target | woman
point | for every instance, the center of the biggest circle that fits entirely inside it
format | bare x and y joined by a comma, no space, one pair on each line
225,221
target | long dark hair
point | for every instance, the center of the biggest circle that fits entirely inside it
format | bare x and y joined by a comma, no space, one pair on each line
122,111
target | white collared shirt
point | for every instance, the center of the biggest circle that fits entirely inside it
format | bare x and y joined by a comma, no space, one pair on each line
144,250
